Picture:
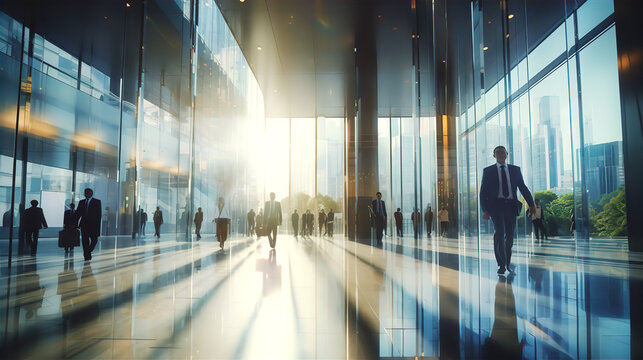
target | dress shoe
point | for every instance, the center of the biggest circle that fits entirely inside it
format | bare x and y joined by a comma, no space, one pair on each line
501,270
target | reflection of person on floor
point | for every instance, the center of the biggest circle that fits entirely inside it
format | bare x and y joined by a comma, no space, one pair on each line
33,220
29,293
86,302
272,219
89,210
295,222
271,272
222,219
158,221
330,218
198,220
68,290
503,342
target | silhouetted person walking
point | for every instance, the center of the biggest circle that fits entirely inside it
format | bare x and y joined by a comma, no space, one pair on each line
321,220
70,223
304,223
143,222
499,200
416,218
272,219
90,214
222,219
33,220
158,221
537,221
443,217
198,220
251,222
330,219
428,220
295,222
379,214
398,222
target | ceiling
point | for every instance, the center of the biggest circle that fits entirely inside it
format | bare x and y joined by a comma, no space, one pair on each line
302,52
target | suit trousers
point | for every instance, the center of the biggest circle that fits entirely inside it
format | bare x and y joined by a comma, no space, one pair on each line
89,243
379,228
157,230
428,228
330,229
295,228
539,229
197,229
271,228
504,221
399,230
31,237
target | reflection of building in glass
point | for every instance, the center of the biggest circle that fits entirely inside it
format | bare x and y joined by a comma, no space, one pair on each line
604,168
548,147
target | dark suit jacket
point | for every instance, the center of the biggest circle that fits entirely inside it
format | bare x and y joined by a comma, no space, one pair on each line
428,216
398,218
33,219
198,217
90,218
295,218
330,217
374,206
490,187
275,215
158,217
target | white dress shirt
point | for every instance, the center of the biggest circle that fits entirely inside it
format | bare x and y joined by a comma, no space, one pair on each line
223,213
500,195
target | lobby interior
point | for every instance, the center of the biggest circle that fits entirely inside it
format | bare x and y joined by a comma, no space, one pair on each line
177,103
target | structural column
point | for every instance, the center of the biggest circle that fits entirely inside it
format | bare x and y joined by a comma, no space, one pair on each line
363,145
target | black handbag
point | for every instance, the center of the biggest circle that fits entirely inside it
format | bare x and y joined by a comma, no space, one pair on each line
68,238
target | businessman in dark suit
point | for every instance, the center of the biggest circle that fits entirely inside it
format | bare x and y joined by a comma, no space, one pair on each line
33,220
89,212
379,214
272,219
499,201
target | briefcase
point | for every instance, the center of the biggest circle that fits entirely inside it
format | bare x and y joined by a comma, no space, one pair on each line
261,230
68,238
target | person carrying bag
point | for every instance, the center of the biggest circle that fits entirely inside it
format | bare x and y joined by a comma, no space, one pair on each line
69,236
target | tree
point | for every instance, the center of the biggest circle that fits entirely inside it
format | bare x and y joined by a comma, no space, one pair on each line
612,219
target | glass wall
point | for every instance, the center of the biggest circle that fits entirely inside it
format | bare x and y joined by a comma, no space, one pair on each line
540,95
133,118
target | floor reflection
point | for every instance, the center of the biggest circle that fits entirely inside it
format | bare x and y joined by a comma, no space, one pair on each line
314,297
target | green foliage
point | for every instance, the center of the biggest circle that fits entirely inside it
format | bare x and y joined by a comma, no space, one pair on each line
611,219
302,201
558,215
545,197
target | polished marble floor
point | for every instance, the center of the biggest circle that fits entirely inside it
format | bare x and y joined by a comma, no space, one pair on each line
317,297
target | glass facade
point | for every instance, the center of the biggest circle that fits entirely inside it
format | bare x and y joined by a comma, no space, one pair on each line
548,91
134,118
